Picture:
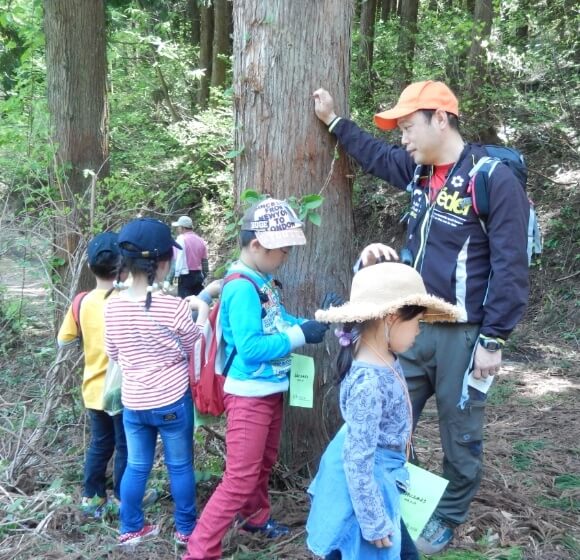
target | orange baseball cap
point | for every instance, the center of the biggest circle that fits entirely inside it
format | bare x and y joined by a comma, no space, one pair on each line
420,95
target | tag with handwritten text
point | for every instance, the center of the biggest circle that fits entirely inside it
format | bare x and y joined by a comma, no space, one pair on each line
302,381
421,499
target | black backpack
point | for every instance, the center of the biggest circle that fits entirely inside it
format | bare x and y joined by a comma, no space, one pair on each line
483,170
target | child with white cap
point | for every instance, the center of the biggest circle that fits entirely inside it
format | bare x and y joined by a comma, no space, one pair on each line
259,334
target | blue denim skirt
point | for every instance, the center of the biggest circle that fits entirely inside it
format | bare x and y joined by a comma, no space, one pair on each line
332,523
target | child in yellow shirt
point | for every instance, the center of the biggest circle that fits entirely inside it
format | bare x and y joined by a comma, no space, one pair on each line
107,433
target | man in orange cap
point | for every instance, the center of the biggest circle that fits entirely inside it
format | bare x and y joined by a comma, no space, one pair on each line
484,271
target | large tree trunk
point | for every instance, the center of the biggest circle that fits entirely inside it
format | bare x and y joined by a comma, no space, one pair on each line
476,62
282,55
205,54
477,72
221,43
407,41
77,101
367,39
194,16
387,8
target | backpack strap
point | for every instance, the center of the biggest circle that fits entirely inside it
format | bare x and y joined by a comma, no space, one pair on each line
263,299
76,310
479,176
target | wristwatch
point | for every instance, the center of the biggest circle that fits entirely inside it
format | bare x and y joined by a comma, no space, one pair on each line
490,344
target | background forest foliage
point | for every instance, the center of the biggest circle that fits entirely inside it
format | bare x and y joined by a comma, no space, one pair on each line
168,149
171,143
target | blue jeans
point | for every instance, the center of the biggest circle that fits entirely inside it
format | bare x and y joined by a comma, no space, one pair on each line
107,436
174,423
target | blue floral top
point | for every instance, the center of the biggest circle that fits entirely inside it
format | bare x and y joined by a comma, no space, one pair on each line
376,412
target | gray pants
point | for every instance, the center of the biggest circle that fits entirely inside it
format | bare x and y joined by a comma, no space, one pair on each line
435,366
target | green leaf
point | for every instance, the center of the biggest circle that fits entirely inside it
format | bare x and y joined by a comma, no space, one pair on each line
250,196
234,153
315,218
314,201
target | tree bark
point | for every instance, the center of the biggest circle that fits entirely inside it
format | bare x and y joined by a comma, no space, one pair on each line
367,38
478,75
282,53
386,9
77,86
194,15
407,40
77,101
205,54
476,61
221,43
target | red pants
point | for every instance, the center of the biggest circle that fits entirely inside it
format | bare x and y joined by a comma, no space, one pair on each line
252,440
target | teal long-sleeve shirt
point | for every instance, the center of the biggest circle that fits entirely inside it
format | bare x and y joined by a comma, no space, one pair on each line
264,334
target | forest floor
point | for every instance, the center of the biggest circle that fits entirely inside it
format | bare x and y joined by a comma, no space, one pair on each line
528,506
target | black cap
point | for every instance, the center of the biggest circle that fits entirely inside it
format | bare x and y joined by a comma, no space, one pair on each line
101,243
149,236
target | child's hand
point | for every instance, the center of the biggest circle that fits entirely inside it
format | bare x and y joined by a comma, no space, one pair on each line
385,542
214,288
374,252
331,299
314,331
202,308
195,303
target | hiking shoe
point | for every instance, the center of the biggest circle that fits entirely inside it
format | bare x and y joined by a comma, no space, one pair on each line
181,539
435,536
150,497
135,537
93,507
271,529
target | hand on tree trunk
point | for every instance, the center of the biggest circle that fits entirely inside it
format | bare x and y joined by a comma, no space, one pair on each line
324,106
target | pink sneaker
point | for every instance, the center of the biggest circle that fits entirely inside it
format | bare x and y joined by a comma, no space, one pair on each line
135,537
181,538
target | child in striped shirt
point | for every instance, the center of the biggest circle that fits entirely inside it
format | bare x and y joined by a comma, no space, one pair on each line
150,335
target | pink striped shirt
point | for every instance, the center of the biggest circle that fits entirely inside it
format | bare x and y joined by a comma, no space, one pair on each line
155,371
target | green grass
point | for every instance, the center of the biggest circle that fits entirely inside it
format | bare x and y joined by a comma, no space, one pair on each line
501,392
512,553
572,544
563,503
570,504
566,481
524,451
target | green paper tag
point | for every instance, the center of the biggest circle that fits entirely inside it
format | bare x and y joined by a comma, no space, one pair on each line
421,499
302,381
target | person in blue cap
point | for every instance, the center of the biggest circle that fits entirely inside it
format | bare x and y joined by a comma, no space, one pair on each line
151,334
86,317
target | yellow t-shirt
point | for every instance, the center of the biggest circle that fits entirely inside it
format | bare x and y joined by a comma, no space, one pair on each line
92,320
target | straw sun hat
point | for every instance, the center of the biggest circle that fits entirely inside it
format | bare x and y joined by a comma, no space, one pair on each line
384,288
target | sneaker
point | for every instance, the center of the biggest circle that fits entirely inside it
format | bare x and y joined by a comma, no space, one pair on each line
135,537
435,536
93,507
181,539
271,529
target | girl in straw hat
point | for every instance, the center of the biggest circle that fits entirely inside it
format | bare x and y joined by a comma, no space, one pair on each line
355,511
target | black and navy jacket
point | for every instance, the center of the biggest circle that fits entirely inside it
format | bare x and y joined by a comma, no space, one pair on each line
485,275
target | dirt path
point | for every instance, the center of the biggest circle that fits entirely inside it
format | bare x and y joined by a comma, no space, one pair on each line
528,506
